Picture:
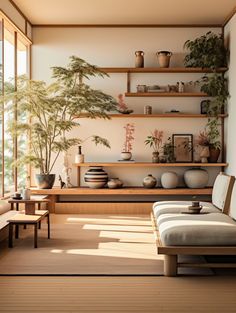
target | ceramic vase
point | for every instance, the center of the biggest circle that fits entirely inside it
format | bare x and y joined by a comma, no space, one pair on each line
126,156
139,59
96,177
79,158
169,180
155,157
204,154
196,178
149,181
164,58
114,183
26,193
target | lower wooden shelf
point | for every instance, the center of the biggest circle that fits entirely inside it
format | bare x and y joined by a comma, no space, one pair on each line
122,191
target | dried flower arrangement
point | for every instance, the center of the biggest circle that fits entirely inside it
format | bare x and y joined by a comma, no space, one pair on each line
155,140
122,106
129,131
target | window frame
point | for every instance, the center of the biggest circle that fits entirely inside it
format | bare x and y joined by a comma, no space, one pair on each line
18,36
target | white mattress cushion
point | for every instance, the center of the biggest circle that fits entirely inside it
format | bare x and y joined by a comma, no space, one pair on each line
4,206
212,229
164,207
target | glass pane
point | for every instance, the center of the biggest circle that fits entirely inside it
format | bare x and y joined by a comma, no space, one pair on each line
9,72
21,117
1,80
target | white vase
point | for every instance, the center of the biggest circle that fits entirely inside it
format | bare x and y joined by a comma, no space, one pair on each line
79,158
169,180
126,156
26,193
196,178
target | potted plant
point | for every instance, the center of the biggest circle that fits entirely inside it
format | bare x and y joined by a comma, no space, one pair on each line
126,154
209,140
207,51
52,110
155,141
168,152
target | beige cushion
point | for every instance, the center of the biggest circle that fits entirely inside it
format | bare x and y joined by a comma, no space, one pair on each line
232,209
212,229
164,207
4,206
222,192
5,217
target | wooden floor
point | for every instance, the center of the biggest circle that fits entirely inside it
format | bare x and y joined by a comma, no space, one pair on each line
118,294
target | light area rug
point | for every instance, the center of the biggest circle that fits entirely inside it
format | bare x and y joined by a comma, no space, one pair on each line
87,245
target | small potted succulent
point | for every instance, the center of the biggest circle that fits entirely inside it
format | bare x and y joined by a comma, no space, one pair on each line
126,154
155,142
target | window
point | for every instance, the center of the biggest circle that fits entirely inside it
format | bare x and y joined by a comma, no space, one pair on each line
14,56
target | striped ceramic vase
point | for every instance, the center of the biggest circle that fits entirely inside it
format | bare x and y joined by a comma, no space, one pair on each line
96,177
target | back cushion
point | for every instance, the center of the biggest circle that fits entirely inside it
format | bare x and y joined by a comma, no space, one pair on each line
222,190
232,210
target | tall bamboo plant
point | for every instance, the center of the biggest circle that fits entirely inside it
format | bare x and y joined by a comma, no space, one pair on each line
54,110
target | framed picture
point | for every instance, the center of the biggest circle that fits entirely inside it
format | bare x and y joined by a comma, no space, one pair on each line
183,147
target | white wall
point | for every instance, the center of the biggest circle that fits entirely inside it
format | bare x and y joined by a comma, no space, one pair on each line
230,38
115,47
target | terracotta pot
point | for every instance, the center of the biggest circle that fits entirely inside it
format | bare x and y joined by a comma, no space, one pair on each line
139,59
164,58
214,155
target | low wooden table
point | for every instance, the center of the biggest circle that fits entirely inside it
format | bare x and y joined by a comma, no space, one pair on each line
23,219
28,203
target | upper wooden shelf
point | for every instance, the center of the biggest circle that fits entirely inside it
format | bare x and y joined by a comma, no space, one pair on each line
147,164
166,94
163,115
161,70
122,191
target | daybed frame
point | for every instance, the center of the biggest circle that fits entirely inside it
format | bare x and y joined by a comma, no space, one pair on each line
171,253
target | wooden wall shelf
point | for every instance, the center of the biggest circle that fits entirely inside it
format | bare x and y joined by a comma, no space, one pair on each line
164,115
161,70
166,94
148,164
122,191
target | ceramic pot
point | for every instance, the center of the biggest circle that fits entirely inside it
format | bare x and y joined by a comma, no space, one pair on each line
26,193
155,157
196,178
163,58
139,59
45,181
114,183
96,177
126,156
213,155
149,181
205,153
169,180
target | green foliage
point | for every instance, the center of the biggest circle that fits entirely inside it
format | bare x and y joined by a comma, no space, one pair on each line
216,86
52,110
213,133
206,51
168,151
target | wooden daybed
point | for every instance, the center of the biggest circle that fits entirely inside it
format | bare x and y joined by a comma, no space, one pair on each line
212,233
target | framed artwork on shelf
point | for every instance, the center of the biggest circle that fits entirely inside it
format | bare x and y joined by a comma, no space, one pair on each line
183,147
